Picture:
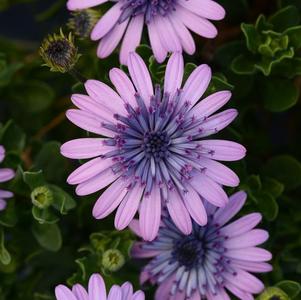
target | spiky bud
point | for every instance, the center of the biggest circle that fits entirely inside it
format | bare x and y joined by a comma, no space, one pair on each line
41,197
112,260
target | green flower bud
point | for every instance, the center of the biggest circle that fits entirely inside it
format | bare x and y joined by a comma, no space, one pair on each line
59,52
273,293
41,197
83,21
112,260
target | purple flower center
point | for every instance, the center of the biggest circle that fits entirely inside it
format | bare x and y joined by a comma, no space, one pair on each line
150,8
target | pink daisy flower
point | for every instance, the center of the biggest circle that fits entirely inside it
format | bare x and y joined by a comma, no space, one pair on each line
211,261
5,175
153,152
168,22
97,291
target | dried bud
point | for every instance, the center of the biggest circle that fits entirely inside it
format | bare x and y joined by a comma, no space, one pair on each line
113,260
59,52
41,197
83,21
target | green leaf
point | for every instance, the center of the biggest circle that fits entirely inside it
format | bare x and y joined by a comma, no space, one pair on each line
294,34
284,18
34,179
5,257
188,69
157,70
291,288
273,186
62,201
48,236
286,169
8,217
12,137
218,83
7,71
243,64
279,94
44,216
267,206
253,38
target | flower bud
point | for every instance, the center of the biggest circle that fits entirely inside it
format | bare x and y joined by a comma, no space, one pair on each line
273,293
59,52
41,197
113,260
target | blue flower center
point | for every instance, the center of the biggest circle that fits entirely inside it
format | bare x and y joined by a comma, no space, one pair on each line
155,144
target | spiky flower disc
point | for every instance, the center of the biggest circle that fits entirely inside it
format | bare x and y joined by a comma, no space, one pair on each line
154,150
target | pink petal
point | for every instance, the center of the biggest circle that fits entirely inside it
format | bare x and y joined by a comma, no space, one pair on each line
115,293
238,292
111,40
222,150
140,77
96,183
110,199
196,84
204,8
79,292
209,189
2,153
220,295
3,204
150,214
195,207
245,281
131,38
159,51
85,148
210,104
249,239
63,293
139,295
174,73
80,4
6,174
97,288
128,207
236,202
183,34
138,252
195,23
135,227
163,291
5,194
107,22
87,121
241,225
178,212
123,86
249,254
218,172
127,290
251,266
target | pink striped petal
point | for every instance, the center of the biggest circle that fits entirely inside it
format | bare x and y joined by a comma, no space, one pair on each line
96,183
111,40
123,86
80,4
131,38
218,172
97,288
183,34
178,212
63,293
197,24
150,214
110,199
115,293
174,73
6,174
204,8
252,266
107,22
238,292
79,292
85,148
195,207
236,202
89,170
88,121
196,84
128,207
210,104
140,77
241,225
209,190
159,51
222,150
249,239
249,254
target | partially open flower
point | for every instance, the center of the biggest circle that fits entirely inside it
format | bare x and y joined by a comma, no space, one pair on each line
41,197
82,22
113,260
59,52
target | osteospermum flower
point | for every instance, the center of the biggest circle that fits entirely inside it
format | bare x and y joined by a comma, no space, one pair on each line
168,23
97,291
6,174
211,261
154,152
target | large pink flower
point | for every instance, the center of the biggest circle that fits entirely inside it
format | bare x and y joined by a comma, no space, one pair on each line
153,152
6,174
168,23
